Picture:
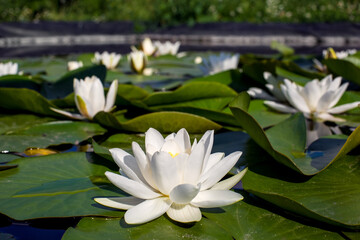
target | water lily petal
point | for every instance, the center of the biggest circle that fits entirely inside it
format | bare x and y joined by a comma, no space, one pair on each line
128,164
213,159
147,210
184,193
111,96
218,171
260,93
182,139
68,114
312,94
194,164
294,97
184,213
143,163
229,182
335,84
280,107
165,172
324,101
328,117
216,198
153,137
208,139
132,187
344,107
97,102
119,202
338,94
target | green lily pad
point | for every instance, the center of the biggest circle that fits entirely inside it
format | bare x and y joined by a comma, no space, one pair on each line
161,228
344,68
331,196
165,122
248,219
27,100
59,185
286,141
10,123
189,92
52,133
19,81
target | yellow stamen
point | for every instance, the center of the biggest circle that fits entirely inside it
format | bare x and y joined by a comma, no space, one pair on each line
173,155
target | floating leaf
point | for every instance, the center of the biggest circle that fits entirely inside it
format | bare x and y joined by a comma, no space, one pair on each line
344,68
59,185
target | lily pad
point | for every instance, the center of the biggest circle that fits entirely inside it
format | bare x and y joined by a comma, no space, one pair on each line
18,81
59,185
249,219
286,141
22,99
10,123
161,228
344,68
331,196
165,122
52,133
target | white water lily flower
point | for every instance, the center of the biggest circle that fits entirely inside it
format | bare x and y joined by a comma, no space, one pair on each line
90,98
148,47
166,48
72,65
8,68
137,61
330,53
273,85
316,99
110,60
219,63
172,177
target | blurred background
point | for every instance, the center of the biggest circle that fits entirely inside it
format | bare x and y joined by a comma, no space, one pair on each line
162,13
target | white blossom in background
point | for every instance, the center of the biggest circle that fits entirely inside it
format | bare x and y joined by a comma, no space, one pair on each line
8,68
148,47
137,60
110,60
198,60
219,63
316,130
73,65
317,99
166,48
90,98
173,177
330,53
273,85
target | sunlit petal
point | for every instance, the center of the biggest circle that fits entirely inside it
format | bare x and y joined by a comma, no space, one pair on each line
184,213
216,198
119,202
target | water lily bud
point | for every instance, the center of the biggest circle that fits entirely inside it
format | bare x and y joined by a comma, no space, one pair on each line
137,61
110,60
9,68
148,47
72,65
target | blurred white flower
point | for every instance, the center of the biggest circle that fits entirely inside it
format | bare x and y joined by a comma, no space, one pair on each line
90,98
166,48
110,60
137,61
72,65
172,177
198,60
316,130
330,53
316,99
148,47
274,87
8,68
219,63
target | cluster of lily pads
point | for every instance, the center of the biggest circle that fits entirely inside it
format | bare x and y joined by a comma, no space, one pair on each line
287,125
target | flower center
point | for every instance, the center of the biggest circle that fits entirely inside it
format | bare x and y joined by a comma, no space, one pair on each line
173,155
